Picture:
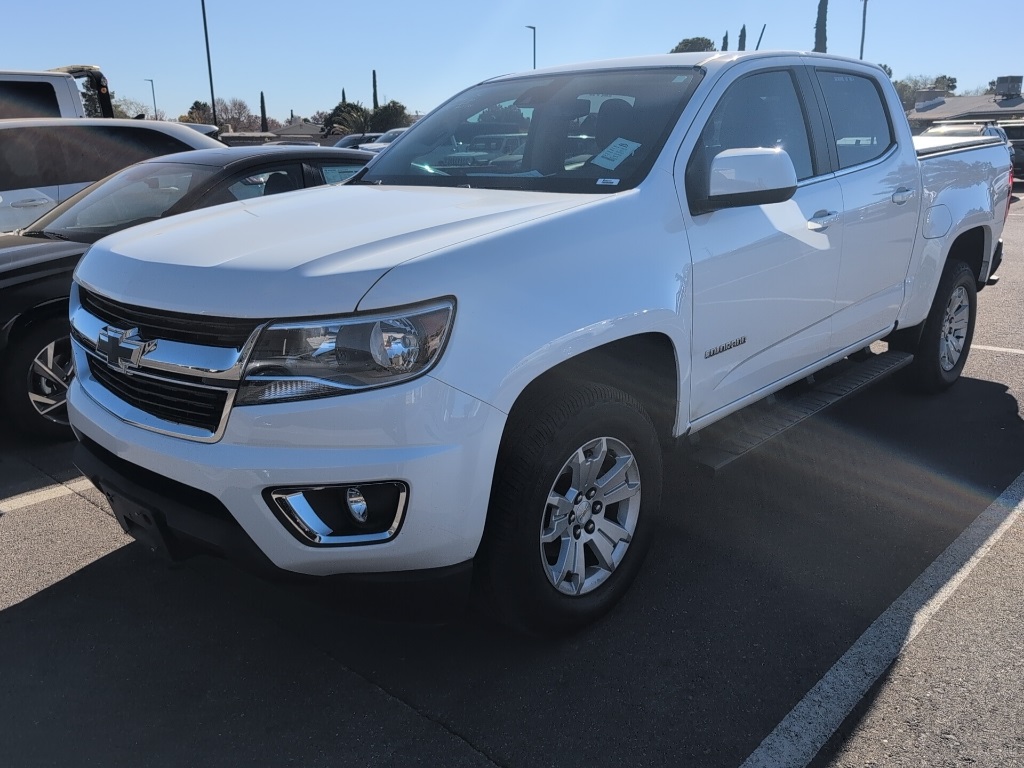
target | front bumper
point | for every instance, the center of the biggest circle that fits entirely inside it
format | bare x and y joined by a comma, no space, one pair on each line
441,443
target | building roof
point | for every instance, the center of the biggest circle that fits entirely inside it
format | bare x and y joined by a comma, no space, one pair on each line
300,130
967,107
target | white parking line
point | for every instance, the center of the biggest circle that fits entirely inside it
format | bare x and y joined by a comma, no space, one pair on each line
46,494
998,349
804,731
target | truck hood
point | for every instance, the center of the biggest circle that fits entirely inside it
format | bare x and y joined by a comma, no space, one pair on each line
306,253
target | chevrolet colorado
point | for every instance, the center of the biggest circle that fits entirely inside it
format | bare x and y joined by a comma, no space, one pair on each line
440,365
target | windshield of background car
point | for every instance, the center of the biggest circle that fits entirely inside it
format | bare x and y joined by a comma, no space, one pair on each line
584,132
137,194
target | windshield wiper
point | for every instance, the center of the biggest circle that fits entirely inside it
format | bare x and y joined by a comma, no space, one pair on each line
44,234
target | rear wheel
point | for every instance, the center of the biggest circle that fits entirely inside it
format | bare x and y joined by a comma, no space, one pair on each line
576,486
945,341
34,380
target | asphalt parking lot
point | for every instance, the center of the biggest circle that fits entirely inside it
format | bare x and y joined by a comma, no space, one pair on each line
759,632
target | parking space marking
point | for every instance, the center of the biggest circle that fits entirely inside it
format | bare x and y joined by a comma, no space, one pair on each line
998,349
46,494
803,732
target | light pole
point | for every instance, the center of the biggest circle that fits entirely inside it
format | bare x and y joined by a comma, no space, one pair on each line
863,28
209,65
528,26
152,89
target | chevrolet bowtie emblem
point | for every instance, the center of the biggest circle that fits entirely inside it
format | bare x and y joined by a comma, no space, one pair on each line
123,349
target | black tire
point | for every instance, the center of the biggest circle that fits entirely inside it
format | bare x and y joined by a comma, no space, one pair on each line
35,400
940,352
516,576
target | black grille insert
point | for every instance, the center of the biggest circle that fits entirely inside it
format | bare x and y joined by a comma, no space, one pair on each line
174,326
177,402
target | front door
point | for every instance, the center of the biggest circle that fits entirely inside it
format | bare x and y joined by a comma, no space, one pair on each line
764,277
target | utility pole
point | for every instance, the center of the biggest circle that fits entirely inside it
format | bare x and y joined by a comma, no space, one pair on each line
534,44
863,28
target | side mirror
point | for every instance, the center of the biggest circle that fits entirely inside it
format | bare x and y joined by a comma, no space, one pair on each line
748,176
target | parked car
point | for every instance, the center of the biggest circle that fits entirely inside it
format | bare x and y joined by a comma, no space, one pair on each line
353,140
44,161
970,128
36,263
382,142
1015,133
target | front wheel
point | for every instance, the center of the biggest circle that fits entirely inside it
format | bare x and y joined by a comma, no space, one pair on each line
577,484
34,380
941,351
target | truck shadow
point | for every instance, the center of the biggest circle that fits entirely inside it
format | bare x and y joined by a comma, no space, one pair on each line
759,579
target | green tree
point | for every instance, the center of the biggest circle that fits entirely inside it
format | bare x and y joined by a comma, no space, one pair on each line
343,99
263,114
691,44
376,105
90,99
743,39
391,115
725,42
819,27
887,69
199,112
991,88
348,117
945,83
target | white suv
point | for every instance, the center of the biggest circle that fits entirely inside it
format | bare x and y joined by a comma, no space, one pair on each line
44,161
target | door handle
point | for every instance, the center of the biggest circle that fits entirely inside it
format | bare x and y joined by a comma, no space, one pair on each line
34,202
820,221
902,195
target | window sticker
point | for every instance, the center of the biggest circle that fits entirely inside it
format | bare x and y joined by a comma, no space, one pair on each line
615,153
608,182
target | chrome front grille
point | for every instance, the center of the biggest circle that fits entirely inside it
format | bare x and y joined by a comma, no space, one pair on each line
166,372
179,402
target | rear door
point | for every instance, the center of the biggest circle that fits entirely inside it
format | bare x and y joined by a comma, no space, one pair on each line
881,187
30,174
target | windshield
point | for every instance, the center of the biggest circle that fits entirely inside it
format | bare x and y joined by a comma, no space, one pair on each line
137,194
589,132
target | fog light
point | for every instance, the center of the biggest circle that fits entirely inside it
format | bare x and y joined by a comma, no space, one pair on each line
356,504
339,515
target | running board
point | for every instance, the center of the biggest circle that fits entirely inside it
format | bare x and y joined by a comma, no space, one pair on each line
739,433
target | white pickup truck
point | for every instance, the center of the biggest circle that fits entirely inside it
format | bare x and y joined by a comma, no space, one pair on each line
448,366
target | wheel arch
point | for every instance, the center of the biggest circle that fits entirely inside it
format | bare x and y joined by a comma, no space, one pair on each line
23,321
643,365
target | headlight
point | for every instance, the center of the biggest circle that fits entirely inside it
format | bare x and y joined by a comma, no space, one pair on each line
321,358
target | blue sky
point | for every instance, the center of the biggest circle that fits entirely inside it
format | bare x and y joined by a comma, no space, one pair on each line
301,55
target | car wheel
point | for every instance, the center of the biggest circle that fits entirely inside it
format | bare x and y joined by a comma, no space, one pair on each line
941,351
577,484
34,379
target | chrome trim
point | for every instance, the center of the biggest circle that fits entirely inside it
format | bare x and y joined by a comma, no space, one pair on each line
300,513
173,356
136,417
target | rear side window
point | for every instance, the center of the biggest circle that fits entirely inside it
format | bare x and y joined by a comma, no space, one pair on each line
29,158
28,100
860,121
96,151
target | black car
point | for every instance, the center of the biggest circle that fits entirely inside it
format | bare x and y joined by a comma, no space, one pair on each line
36,263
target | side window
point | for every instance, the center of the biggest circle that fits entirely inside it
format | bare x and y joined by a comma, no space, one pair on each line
761,110
97,151
858,115
30,157
255,183
28,99
335,172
